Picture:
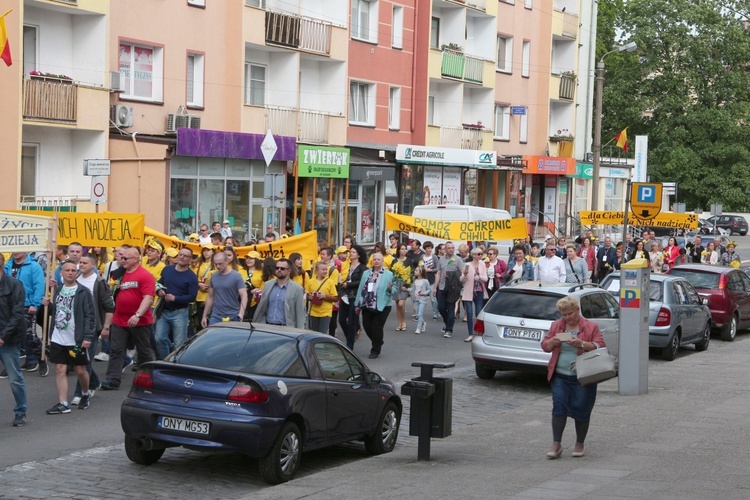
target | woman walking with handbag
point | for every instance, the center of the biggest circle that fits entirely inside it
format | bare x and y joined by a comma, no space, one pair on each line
576,270
568,338
474,293
348,317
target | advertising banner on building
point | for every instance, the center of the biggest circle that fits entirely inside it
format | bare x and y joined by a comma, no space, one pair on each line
433,186
24,233
549,165
640,172
486,230
429,155
665,219
452,185
323,162
95,230
305,244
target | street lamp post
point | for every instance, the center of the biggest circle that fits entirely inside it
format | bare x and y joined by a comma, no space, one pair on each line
597,145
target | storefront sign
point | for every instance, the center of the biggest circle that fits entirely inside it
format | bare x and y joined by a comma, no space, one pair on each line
427,155
549,165
518,110
583,171
486,230
97,230
305,244
671,220
614,173
323,162
219,144
368,173
23,233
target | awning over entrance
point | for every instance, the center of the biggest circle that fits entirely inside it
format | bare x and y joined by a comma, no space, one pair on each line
220,144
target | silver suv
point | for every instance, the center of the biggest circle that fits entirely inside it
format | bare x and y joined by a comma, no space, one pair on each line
518,316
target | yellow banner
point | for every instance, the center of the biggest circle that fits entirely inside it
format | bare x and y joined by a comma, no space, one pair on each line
484,230
664,219
305,244
96,230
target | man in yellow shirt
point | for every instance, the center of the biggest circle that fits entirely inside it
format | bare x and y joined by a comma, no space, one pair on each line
321,294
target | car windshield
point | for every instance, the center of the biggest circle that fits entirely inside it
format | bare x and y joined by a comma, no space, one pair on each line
243,350
524,305
655,290
697,278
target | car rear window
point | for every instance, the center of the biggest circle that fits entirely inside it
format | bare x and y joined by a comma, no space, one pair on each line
739,219
698,279
247,351
523,304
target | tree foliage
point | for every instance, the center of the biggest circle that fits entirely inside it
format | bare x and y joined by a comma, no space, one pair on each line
688,88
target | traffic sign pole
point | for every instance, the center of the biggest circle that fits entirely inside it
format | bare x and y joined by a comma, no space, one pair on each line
625,221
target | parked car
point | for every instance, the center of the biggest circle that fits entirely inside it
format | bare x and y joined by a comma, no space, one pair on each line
677,315
727,290
707,227
518,316
732,223
266,391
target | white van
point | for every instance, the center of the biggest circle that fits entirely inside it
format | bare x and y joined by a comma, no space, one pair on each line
461,213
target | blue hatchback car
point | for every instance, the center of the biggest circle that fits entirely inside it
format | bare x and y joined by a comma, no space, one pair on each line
266,391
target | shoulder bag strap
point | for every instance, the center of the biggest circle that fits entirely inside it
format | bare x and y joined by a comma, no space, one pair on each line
578,280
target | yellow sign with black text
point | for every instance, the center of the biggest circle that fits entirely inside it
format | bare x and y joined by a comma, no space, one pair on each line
666,219
645,200
484,230
95,230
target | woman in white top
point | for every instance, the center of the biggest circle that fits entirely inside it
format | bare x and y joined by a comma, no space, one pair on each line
710,255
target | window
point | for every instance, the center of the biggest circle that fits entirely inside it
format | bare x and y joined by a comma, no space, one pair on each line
197,3
526,59
362,103
504,53
523,133
502,122
397,35
29,156
394,108
261,4
511,2
365,20
528,4
337,365
195,65
435,32
255,84
142,69
431,110
29,48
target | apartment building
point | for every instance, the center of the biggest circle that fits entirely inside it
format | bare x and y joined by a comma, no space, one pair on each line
54,101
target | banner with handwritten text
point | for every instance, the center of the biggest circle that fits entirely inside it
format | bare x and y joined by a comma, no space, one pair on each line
483,230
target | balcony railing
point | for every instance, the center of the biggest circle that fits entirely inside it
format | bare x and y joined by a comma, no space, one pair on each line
297,32
462,66
460,138
49,203
50,99
567,87
570,25
477,4
306,125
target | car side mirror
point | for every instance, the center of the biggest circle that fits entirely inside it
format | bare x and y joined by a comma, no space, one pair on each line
704,302
374,378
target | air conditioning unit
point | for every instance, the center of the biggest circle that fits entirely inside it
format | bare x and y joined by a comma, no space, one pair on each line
121,116
115,82
175,121
194,121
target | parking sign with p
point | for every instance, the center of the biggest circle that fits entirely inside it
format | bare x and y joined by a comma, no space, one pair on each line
645,200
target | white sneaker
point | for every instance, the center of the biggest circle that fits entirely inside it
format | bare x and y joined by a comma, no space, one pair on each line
448,335
417,332
75,401
102,356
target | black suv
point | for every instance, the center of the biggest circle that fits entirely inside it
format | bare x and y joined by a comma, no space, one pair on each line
732,223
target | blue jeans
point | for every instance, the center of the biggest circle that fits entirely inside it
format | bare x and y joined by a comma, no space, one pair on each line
94,381
420,314
434,301
174,323
473,307
11,358
447,310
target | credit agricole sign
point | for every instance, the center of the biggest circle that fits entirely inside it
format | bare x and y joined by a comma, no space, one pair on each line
323,162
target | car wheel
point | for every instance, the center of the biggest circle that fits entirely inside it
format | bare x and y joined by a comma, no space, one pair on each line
669,353
729,231
729,330
383,440
702,345
281,463
484,372
138,455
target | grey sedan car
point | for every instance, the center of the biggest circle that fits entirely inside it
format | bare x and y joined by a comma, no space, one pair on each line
677,315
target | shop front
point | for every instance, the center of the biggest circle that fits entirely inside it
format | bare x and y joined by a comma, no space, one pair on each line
437,176
217,176
546,193
579,198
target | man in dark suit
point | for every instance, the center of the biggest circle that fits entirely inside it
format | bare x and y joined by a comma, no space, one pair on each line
694,250
607,257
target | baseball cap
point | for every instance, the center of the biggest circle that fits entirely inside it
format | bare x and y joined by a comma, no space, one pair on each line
194,236
155,244
225,222
208,245
253,255
342,249
171,252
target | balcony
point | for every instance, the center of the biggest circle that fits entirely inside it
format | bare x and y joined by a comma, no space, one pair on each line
476,4
570,25
461,66
50,99
567,87
306,125
286,30
463,137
